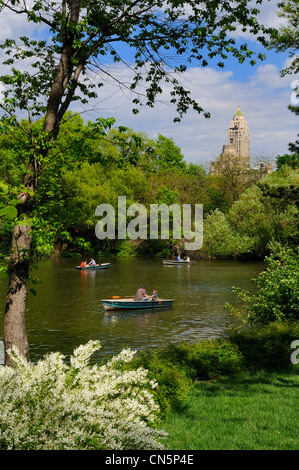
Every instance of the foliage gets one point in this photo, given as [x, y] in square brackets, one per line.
[8, 213]
[221, 239]
[173, 383]
[294, 146]
[268, 346]
[168, 155]
[8, 202]
[287, 38]
[252, 217]
[52, 406]
[163, 39]
[291, 160]
[206, 359]
[122, 147]
[264, 212]
[231, 177]
[177, 367]
[268, 211]
[125, 249]
[277, 296]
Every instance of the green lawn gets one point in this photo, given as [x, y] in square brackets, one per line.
[252, 412]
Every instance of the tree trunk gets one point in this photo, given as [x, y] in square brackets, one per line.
[14, 317]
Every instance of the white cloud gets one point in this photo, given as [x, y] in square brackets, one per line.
[263, 98]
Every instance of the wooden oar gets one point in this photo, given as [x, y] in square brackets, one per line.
[121, 296]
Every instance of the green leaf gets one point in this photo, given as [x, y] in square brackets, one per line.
[10, 212]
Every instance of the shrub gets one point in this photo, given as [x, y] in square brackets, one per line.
[207, 359]
[173, 384]
[267, 346]
[278, 286]
[221, 239]
[52, 406]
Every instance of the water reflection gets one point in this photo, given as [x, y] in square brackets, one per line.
[121, 315]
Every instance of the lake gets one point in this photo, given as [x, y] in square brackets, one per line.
[67, 309]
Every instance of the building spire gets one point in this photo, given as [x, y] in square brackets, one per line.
[239, 112]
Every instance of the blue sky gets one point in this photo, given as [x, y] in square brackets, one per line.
[260, 92]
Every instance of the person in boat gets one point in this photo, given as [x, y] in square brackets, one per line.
[179, 258]
[155, 295]
[92, 262]
[83, 264]
[141, 294]
[187, 259]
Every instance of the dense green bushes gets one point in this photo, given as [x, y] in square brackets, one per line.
[206, 359]
[176, 367]
[266, 212]
[277, 295]
[266, 347]
[241, 217]
[115, 405]
[174, 383]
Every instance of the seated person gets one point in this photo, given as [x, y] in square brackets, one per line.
[92, 262]
[155, 295]
[83, 264]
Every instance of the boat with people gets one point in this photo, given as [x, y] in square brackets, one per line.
[122, 303]
[93, 266]
[176, 262]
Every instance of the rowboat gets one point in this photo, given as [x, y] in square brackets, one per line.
[95, 266]
[124, 303]
[176, 262]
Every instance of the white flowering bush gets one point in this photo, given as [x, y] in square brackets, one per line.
[54, 406]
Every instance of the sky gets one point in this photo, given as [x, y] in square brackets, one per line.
[262, 94]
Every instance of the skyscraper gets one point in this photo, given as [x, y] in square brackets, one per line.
[235, 154]
[238, 138]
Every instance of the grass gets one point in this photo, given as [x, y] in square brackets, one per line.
[255, 411]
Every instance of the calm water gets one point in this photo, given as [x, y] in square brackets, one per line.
[67, 309]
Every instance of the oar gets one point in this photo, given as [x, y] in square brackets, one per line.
[121, 296]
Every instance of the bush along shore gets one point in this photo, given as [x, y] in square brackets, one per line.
[126, 402]
[178, 367]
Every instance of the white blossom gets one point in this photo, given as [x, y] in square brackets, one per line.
[52, 406]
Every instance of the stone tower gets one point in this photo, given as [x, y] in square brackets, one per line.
[238, 138]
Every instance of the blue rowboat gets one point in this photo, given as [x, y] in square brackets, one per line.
[95, 266]
[122, 304]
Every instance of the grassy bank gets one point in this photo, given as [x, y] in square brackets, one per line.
[254, 411]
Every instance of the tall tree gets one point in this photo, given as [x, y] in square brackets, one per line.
[294, 146]
[287, 39]
[165, 38]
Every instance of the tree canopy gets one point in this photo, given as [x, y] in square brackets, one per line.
[83, 36]
[287, 38]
